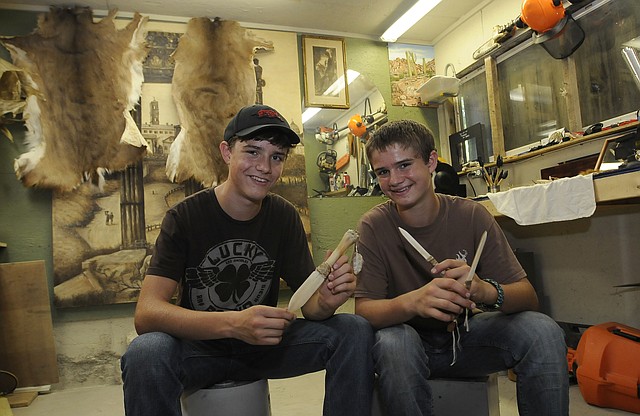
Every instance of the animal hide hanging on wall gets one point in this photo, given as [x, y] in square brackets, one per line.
[213, 78]
[88, 77]
[12, 96]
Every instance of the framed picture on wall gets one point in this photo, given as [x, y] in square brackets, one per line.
[325, 72]
[410, 66]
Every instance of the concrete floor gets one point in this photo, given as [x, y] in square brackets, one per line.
[299, 396]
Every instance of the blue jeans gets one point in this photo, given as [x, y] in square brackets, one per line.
[157, 367]
[529, 342]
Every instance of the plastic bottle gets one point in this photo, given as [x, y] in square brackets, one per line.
[347, 179]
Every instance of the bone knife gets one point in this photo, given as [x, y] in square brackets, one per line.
[475, 261]
[414, 243]
[315, 279]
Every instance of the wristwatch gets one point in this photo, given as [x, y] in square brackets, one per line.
[500, 299]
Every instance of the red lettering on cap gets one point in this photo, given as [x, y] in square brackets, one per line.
[270, 114]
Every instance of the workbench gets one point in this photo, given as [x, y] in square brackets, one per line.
[582, 263]
[611, 187]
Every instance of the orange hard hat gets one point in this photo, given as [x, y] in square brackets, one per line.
[356, 126]
[541, 15]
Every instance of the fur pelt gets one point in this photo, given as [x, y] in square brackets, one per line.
[213, 78]
[88, 76]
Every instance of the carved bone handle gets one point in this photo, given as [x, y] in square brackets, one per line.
[348, 239]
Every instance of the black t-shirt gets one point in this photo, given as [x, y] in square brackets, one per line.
[225, 264]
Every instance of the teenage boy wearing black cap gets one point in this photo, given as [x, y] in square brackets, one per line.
[227, 248]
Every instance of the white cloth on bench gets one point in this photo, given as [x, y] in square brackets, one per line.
[559, 200]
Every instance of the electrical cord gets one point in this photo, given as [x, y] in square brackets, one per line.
[471, 183]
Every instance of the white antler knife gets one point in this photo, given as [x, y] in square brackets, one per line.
[315, 279]
[414, 243]
[475, 261]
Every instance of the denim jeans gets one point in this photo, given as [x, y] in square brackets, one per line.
[157, 367]
[529, 342]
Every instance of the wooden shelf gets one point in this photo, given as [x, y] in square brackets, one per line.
[573, 142]
[579, 140]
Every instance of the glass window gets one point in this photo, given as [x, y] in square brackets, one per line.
[474, 106]
[605, 82]
[532, 87]
[531, 95]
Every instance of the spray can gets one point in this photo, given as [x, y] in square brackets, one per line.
[347, 179]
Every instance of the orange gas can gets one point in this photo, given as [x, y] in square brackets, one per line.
[608, 366]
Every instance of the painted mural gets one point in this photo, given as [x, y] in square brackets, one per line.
[103, 237]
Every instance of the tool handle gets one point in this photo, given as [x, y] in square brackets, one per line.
[348, 239]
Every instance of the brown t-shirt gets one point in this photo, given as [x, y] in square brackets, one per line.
[393, 267]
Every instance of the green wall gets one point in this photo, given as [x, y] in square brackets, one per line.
[371, 59]
[25, 214]
[331, 217]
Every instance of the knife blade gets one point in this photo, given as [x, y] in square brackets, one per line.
[414, 243]
[475, 261]
[315, 279]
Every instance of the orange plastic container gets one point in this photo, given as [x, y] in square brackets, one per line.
[608, 366]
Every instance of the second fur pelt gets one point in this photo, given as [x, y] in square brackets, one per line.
[213, 78]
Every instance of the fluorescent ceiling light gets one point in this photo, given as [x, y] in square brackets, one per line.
[410, 18]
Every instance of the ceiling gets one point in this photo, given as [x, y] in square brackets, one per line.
[347, 18]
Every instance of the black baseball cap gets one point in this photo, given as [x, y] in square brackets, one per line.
[256, 118]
